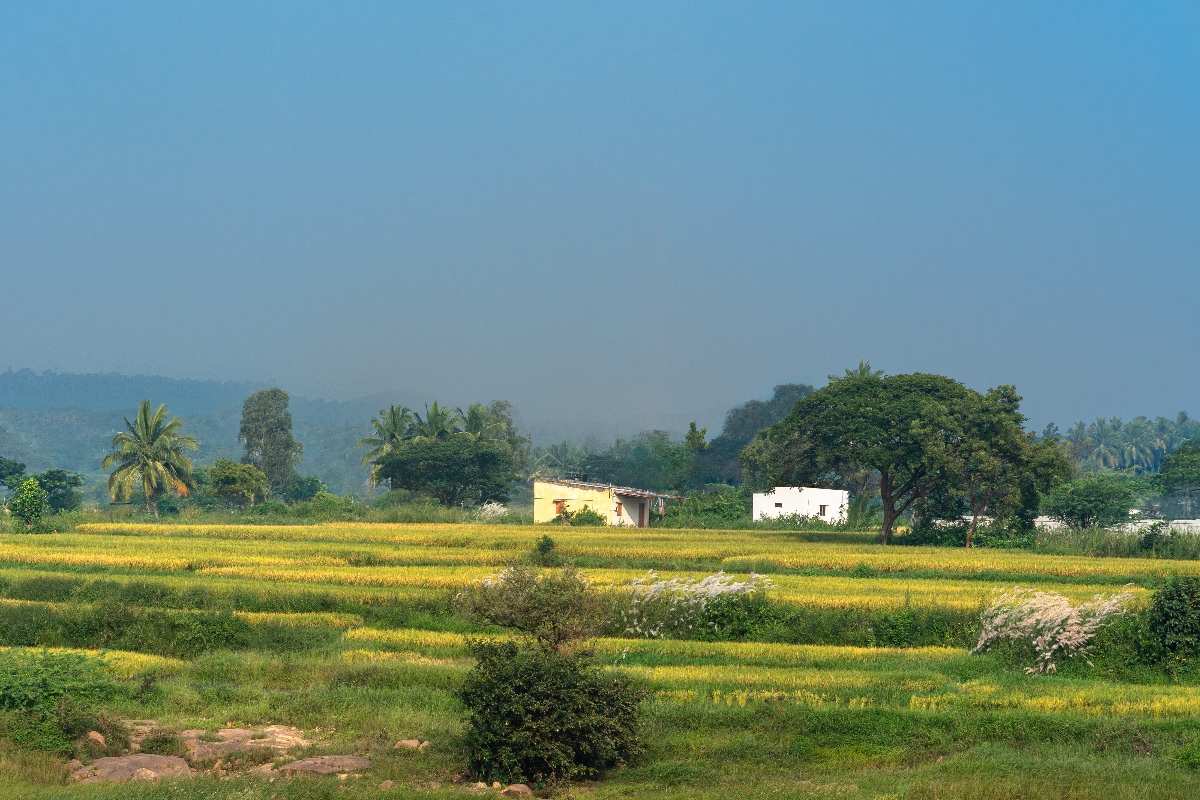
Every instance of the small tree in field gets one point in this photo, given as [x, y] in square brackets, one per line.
[541, 710]
[30, 503]
[240, 484]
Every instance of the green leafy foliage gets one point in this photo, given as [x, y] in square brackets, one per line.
[536, 715]
[1096, 500]
[52, 695]
[911, 429]
[238, 484]
[714, 507]
[62, 489]
[585, 517]
[11, 473]
[457, 470]
[266, 432]
[1173, 621]
[30, 503]
[555, 609]
[545, 553]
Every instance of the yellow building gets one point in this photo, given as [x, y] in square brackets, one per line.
[619, 505]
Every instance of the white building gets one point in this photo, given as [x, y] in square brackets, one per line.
[783, 501]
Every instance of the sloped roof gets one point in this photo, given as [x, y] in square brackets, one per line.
[625, 490]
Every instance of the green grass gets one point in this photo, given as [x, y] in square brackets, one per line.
[346, 629]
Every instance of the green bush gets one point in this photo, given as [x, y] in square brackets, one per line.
[715, 507]
[536, 715]
[30, 502]
[583, 518]
[554, 609]
[1174, 623]
[49, 698]
[545, 554]
[37, 681]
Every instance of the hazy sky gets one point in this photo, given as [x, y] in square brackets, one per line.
[608, 213]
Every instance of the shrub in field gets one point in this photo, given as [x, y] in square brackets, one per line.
[555, 609]
[541, 710]
[1174, 623]
[537, 715]
[545, 553]
[717, 606]
[30, 503]
[583, 518]
[49, 696]
[1048, 623]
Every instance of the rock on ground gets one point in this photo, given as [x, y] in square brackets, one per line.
[517, 790]
[326, 765]
[139, 766]
[276, 738]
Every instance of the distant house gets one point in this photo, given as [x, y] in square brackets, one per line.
[619, 505]
[784, 501]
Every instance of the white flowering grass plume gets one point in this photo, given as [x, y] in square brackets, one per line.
[1048, 622]
[491, 510]
[660, 607]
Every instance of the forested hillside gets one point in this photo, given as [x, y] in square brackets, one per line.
[52, 420]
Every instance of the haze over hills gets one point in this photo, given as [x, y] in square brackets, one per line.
[66, 420]
[50, 419]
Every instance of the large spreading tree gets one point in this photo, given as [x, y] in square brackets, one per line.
[151, 455]
[910, 429]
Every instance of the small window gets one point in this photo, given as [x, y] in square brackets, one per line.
[560, 507]
[779, 505]
[821, 513]
[618, 509]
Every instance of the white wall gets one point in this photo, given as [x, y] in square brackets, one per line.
[785, 501]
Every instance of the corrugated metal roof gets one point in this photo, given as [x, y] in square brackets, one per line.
[625, 490]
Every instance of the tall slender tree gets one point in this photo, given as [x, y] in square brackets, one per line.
[150, 454]
[266, 432]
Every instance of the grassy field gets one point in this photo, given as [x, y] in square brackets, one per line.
[869, 692]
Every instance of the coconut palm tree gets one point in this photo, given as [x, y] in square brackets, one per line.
[479, 423]
[392, 427]
[439, 422]
[150, 453]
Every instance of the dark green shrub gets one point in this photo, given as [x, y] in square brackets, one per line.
[537, 715]
[36, 681]
[1174, 623]
[49, 698]
[545, 554]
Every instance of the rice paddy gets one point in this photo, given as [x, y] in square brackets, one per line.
[346, 628]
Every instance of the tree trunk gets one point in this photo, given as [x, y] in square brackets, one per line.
[971, 529]
[889, 508]
[889, 520]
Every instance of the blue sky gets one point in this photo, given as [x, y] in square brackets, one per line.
[615, 215]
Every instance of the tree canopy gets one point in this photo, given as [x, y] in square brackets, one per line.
[266, 432]
[913, 430]
[240, 484]
[458, 471]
